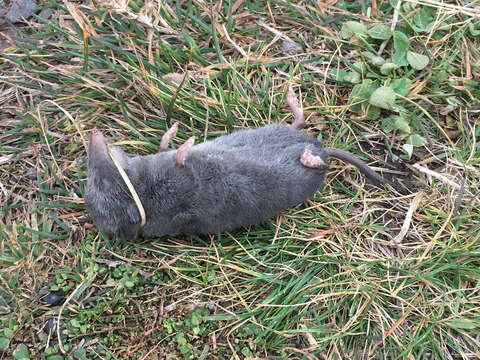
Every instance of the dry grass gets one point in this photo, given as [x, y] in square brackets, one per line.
[355, 272]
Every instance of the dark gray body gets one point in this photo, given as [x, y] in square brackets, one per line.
[235, 180]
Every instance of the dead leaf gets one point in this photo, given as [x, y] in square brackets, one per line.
[46, 13]
[236, 5]
[174, 78]
[291, 47]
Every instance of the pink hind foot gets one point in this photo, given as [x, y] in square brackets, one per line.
[312, 161]
[169, 134]
[183, 151]
[292, 102]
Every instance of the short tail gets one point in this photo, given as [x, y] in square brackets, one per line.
[362, 166]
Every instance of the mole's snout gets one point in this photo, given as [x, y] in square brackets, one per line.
[96, 135]
[97, 140]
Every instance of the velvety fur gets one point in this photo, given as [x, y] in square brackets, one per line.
[235, 180]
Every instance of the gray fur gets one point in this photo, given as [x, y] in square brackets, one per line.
[235, 180]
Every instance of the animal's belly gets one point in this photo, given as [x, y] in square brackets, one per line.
[237, 202]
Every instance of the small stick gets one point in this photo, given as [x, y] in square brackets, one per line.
[436, 175]
[131, 188]
[59, 317]
[238, 48]
[408, 218]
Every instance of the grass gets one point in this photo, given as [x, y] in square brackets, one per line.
[330, 278]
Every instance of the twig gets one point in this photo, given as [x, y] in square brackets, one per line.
[276, 32]
[394, 24]
[408, 218]
[449, 7]
[60, 315]
[131, 188]
[238, 48]
[436, 175]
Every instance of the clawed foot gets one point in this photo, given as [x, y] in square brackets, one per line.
[312, 161]
[292, 102]
[183, 151]
[169, 134]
